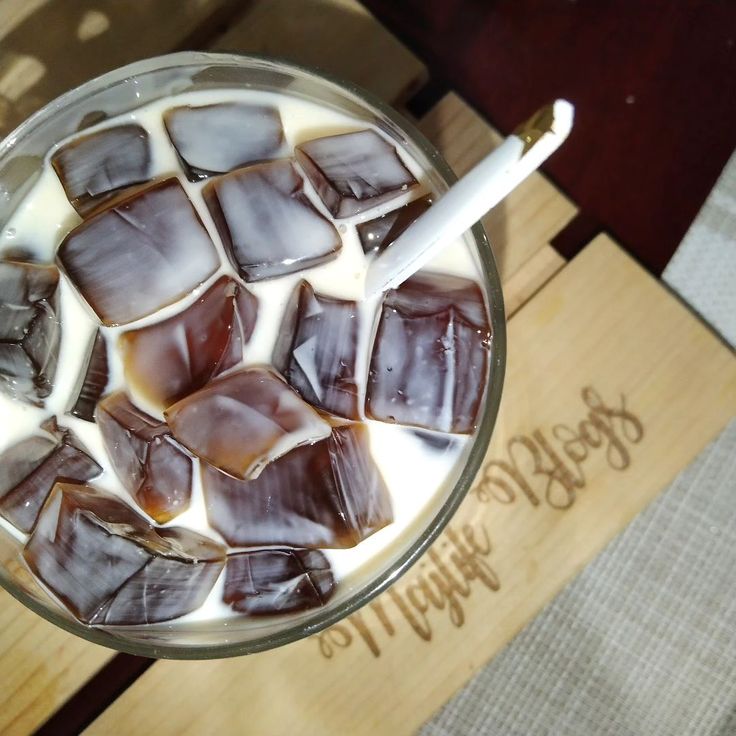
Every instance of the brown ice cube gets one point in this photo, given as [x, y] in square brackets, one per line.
[267, 225]
[377, 234]
[151, 465]
[214, 139]
[94, 167]
[30, 330]
[109, 566]
[242, 421]
[93, 379]
[279, 580]
[430, 358]
[169, 360]
[316, 350]
[139, 255]
[30, 468]
[329, 494]
[353, 172]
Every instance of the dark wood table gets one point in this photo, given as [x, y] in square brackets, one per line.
[653, 83]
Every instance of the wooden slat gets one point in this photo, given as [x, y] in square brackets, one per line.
[527, 281]
[529, 217]
[41, 667]
[14, 12]
[339, 36]
[605, 371]
[62, 44]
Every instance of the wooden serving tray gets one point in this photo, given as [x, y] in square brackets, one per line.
[612, 388]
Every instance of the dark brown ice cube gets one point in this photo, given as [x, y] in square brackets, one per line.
[281, 580]
[93, 379]
[329, 494]
[95, 167]
[30, 330]
[267, 225]
[242, 421]
[139, 255]
[353, 172]
[151, 465]
[377, 234]
[316, 350]
[430, 358]
[31, 468]
[109, 566]
[214, 139]
[169, 360]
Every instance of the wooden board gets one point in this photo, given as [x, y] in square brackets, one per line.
[41, 665]
[612, 388]
[529, 217]
[47, 48]
[339, 36]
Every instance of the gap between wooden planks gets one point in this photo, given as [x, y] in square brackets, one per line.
[42, 665]
[612, 388]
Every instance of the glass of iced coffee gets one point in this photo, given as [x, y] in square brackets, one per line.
[211, 442]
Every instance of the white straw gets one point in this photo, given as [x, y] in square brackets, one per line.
[471, 197]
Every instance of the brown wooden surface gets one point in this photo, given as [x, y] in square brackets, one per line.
[40, 667]
[47, 48]
[653, 83]
[338, 36]
[611, 395]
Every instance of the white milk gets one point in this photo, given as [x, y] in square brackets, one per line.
[417, 475]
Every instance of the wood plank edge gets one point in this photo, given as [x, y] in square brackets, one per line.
[531, 277]
[94, 697]
[222, 17]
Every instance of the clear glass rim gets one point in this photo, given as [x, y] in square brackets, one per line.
[489, 412]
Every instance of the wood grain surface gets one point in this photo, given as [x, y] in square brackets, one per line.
[652, 83]
[338, 36]
[612, 388]
[40, 666]
[47, 48]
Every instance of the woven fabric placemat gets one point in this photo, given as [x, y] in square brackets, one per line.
[703, 269]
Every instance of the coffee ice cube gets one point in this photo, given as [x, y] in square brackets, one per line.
[316, 350]
[430, 358]
[109, 566]
[214, 139]
[244, 420]
[30, 331]
[140, 254]
[30, 469]
[267, 225]
[328, 494]
[93, 168]
[168, 360]
[279, 580]
[92, 380]
[377, 234]
[353, 172]
[151, 465]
